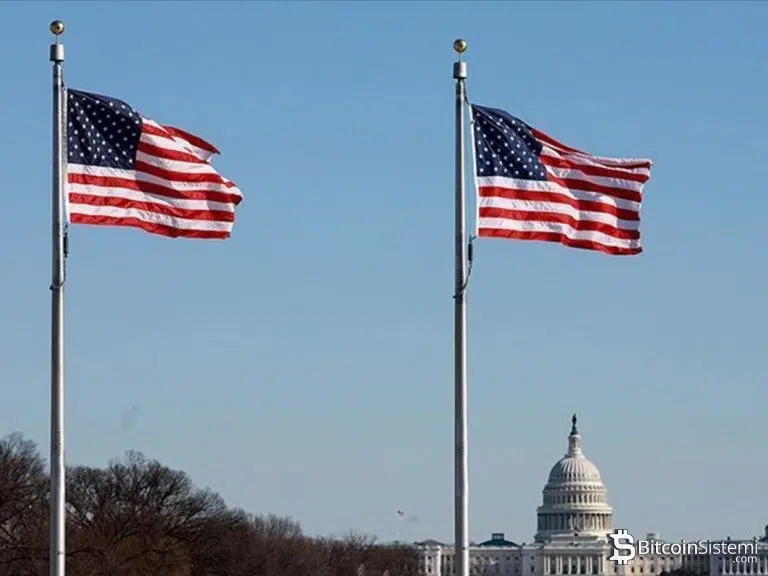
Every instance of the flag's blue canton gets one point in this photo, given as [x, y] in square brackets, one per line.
[101, 131]
[505, 146]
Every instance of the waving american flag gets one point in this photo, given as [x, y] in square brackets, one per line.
[532, 187]
[124, 169]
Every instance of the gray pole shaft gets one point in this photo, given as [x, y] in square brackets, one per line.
[460, 338]
[57, 552]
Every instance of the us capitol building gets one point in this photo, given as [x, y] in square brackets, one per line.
[574, 521]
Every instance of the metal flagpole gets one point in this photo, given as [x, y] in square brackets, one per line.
[57, 558]
[460, 334]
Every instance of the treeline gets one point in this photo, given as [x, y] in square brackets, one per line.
[137, 517]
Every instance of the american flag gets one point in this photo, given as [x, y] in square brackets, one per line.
[124, 169]
[532, 187]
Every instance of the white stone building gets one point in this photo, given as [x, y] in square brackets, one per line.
[571, 539]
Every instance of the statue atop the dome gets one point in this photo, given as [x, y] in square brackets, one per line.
[574, 431]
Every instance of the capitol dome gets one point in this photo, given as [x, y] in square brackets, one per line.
[574, 500]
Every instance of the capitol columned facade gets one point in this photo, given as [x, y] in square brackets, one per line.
[573, 523]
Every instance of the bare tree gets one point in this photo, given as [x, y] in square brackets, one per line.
[23, 506]
[136, 517]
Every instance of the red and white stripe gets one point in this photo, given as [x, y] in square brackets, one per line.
[586, 202]
[172, 191]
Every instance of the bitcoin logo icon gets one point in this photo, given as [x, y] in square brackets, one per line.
[623, 549]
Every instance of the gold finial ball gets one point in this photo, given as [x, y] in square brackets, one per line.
[460, 46]
[57, 27]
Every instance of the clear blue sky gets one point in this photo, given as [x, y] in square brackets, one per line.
[304, 367]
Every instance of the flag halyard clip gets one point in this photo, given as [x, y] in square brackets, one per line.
[470, 259]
